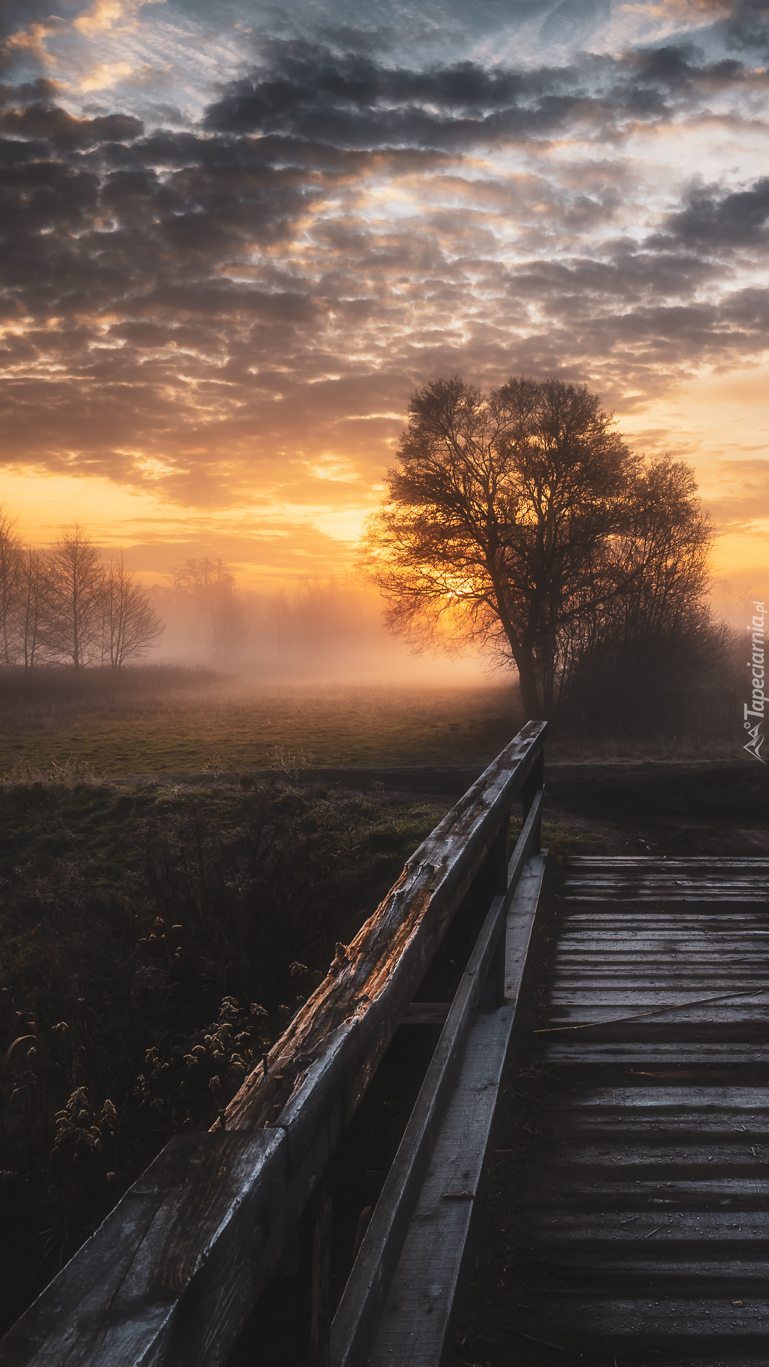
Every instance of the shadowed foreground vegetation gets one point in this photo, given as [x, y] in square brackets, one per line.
[154, 942]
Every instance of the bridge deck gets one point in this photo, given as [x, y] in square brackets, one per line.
[645, 1235]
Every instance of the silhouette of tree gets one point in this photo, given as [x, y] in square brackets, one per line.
[209, 585]
[520, 520]
[34, 608]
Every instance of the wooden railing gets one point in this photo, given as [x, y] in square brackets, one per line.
[174, 1271]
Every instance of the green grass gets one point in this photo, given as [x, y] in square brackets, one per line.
[558, 840]
[166, 731]
[167, 721]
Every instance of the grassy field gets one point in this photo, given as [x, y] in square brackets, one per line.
[166, 721]
[158, 722]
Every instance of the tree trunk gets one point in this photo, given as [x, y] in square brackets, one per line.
[528, 682]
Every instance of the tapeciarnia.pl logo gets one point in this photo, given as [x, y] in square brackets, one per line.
[758, 698]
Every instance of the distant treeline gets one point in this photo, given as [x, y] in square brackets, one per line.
[209, 616]
[67, 604]
[654, 658]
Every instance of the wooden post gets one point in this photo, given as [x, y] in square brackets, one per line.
[492, 882]
[320, 1277]
[532, 784]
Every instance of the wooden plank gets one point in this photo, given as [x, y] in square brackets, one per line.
[415, 1317]
[612, 1124]
[369, 1280]
[328, 1092]
[646, 861]
[614, 954]
[748, 1228]
[709, 1154]
[688, 982]
[520, 921]
[681, 1323]
[693, 1099]
[413, 1325]
[609, 1189]
[660, 1052]
[636, 1003]
[682, 898]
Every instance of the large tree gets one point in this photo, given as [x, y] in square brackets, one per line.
[517, 519]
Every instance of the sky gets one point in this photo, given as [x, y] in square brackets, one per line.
[237, 237]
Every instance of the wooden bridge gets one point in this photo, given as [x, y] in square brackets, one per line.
[643, 1237]
[649, 1236]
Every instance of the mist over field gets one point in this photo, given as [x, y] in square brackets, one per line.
[331, 631]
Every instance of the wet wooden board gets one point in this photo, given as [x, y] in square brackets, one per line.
[646, 1239]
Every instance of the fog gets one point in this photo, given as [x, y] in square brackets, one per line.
[733, 598]
[320, 631]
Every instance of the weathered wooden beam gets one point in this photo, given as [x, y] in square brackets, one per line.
[371, 1275]
[372, 979]
[412, 1328]
[172, 1272]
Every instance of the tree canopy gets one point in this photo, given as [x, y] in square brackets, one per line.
[521, 519]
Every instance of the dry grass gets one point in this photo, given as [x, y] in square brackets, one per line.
[688, 746]
[154, 941]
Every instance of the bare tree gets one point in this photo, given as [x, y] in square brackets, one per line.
[520, 519]
[34, 608]
[76, 594]
[130, 623]
[10, 577]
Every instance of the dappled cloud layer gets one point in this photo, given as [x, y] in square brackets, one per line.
[235, 240]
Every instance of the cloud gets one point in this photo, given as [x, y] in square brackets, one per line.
[744, 502]
[206, 311]
[716, 221]
[48, 123]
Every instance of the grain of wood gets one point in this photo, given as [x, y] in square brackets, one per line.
[647, 1237]
[372, 979]
[378, 1255]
